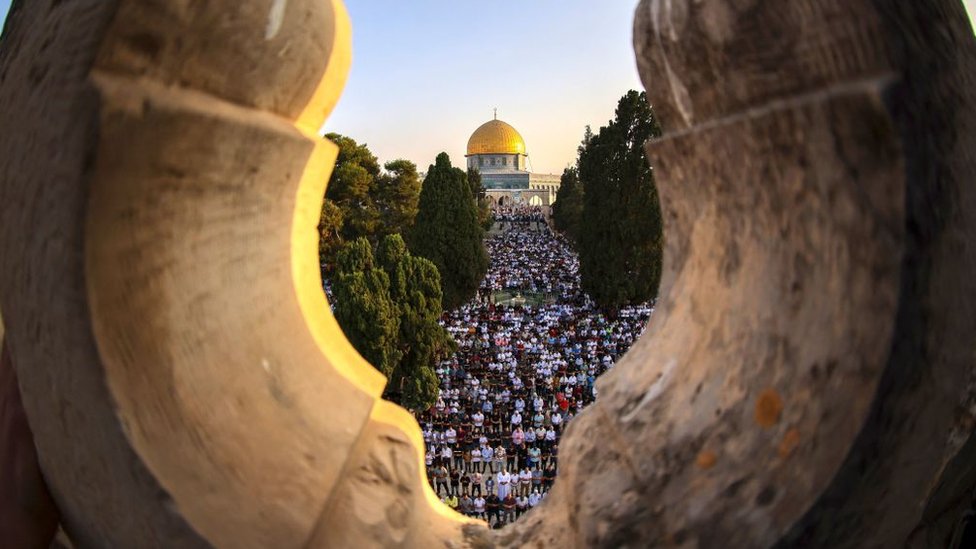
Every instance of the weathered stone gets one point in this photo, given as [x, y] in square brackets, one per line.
[265, 54]
[163, 216]
[814, 176]
[808, 377]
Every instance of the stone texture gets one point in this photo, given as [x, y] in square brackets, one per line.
[48, 50]
[156, 205]
[236, 51]
[707, 59]
[807, 379]
[383, 499]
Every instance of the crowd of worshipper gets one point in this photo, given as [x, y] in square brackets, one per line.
[521, 373]
[508, 217]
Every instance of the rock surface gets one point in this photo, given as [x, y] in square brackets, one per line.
[808, 377]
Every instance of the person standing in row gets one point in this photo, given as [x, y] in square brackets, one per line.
[440, 478]
[525, 482]
[494, 507]
[479, 507]
[476, 478]
[508, 508]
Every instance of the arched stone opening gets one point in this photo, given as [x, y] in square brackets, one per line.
[810, 359]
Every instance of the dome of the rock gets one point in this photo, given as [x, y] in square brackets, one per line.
[496, 137]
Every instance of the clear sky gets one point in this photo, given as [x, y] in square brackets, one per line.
[426, 73]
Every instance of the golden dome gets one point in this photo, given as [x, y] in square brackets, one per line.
[496, 137]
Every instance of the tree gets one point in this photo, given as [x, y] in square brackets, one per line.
[485, 218]
[620, 239]
[567, 211]
[330, 229]
[351, 187]
[363, 201]
[363, 306]
[447, 232]
[415, 287]
[388, 304]
[397, 196]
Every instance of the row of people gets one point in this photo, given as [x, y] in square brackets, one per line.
[519, 376]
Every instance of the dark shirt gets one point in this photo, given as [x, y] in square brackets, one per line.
[492, 502]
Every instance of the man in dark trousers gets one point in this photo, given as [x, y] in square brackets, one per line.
[493, 504]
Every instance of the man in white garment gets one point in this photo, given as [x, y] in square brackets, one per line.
[504, 479]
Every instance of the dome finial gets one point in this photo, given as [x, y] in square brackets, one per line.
[496, 113]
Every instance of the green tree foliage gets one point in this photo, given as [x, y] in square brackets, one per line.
[362, 200]
[364, 308]
[415, 287]
[330, 229]
[620, 239]
[448, 233]
[567, 211]
[388, 305]
[351, 187]
[397, 196]
[485, 217]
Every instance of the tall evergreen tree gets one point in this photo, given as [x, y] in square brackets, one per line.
[415, 287]
[620, 239]
[447, 232]
[388, 305]
[480, 197]
[363, 306]
[567, 211]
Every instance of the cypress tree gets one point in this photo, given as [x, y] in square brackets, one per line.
[620, 240]
[567, 211]
[388, 305]
[363, 307]
[447, 232]
[485, 217]
[415, 287]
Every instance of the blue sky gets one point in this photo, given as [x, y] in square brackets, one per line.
[426, 73]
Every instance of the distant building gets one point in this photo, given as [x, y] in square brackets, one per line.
[497, 150]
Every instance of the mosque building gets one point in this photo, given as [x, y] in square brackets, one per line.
[497, 150]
